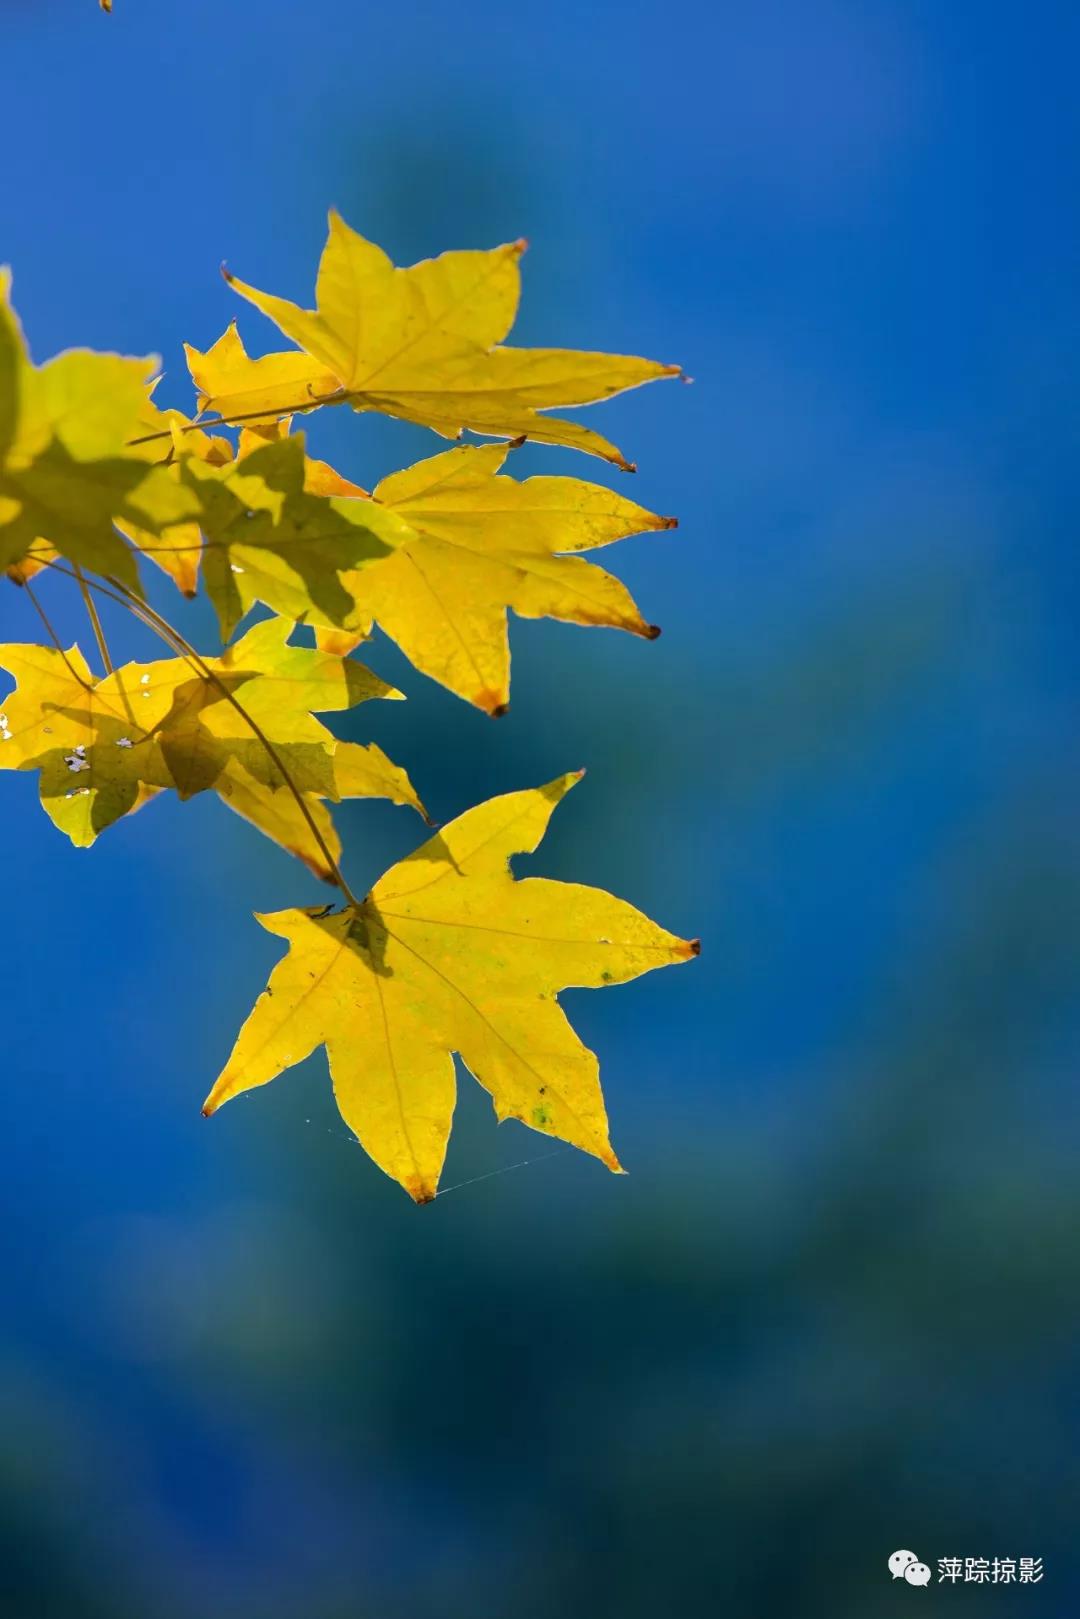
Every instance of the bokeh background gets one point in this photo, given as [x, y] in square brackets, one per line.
[833, 1309]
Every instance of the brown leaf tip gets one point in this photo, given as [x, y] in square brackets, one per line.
[520, 246]
[669, 522]
[227, 273]
[692, 947]
[652, 631]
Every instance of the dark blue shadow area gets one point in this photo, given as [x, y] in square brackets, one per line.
[833, 1309]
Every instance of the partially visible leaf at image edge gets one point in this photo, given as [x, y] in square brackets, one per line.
[66, 471]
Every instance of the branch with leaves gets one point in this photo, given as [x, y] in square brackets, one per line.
[447, 952]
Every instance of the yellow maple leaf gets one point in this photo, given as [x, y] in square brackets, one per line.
[484, 543]
[104, 747]
[449, 953]
[234, 386]
[66, 471]
[424, 344]
[267, 537]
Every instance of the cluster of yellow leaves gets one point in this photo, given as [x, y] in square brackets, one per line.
[448, 953]
[104, 747]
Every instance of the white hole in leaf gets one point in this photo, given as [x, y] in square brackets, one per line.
[124, 742]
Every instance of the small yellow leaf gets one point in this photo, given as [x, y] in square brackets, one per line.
[177, 550]
[242, 389]
[447, 954]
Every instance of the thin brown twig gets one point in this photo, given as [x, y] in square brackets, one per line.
[339, 397]
[54, 638]
[95, 621]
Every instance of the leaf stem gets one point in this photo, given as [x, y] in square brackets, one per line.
[339, 397]
[53, 637]
[95, 621]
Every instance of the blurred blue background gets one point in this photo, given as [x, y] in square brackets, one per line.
[833, 1310]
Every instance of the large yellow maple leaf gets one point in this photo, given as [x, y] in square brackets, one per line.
[66, 470]
[105, 746]
[449, 953]
[482, 544]
[424, 344]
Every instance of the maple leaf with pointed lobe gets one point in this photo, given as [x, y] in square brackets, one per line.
[424, 344]
[449, 953]
[482, 544]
